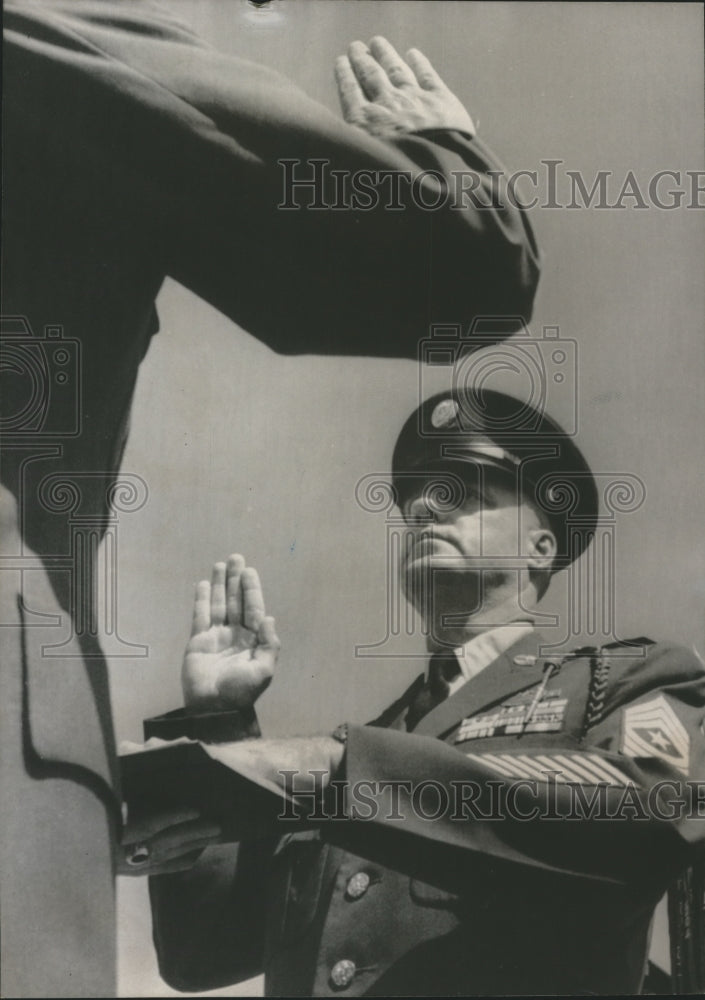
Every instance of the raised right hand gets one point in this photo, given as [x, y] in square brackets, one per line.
[230, 657]
[386, 95]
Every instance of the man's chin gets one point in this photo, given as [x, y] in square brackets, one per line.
[423, 577]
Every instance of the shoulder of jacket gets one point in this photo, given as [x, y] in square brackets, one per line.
[636, 665]
[613, 663]
[639, 647]
[659, 654]
[625, 658]
[628, 655]
[621, 671]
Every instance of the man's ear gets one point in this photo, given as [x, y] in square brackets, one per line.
[542, 548]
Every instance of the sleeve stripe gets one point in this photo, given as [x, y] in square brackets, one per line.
[546, 765]
[600, 762]
[582, 768]
[569, 766]
[523, 768]
[487, 760]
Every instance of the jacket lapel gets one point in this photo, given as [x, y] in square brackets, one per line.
[499, 680]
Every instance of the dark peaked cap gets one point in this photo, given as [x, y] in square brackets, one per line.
[489, 428]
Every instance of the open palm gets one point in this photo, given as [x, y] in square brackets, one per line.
[230, 657]
[386, 95]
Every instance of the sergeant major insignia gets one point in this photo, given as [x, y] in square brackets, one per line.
[652, 729]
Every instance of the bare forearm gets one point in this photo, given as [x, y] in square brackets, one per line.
[314, 761]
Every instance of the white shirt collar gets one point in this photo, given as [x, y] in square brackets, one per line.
[484, 648]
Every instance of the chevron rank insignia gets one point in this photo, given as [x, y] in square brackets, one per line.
[652, 729]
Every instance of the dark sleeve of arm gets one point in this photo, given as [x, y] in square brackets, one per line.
[208, 921]
[640, 833]
[209, 727]
[195, 139]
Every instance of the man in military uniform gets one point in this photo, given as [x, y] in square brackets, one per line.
[542, 799]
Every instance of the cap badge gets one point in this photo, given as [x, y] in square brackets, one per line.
[444, 413]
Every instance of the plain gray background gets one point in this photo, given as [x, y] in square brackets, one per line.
[246, 451]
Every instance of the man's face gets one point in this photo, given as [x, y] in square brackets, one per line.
[485, 530]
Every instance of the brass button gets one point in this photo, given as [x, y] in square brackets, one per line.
[343, 973]
[357, 885]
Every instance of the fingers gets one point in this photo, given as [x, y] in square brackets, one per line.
[370, 73]
[391, 62]
[234, 568]
[351, 97]
[201, 608]
[424, 72]
[372, 78]
[218, 607]
[252, 599]
[233, 595]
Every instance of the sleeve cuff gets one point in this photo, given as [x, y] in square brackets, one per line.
[208, 727]
[438, 132]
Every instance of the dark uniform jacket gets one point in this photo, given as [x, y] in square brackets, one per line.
[549, 889]
[133, 151]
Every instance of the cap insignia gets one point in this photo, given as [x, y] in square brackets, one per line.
[444, 413]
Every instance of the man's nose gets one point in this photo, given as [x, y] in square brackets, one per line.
[418, 512]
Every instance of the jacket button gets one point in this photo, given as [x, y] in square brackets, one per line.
[357, 885]
[342, 973]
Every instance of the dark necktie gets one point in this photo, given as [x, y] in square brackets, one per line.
[442, 669]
